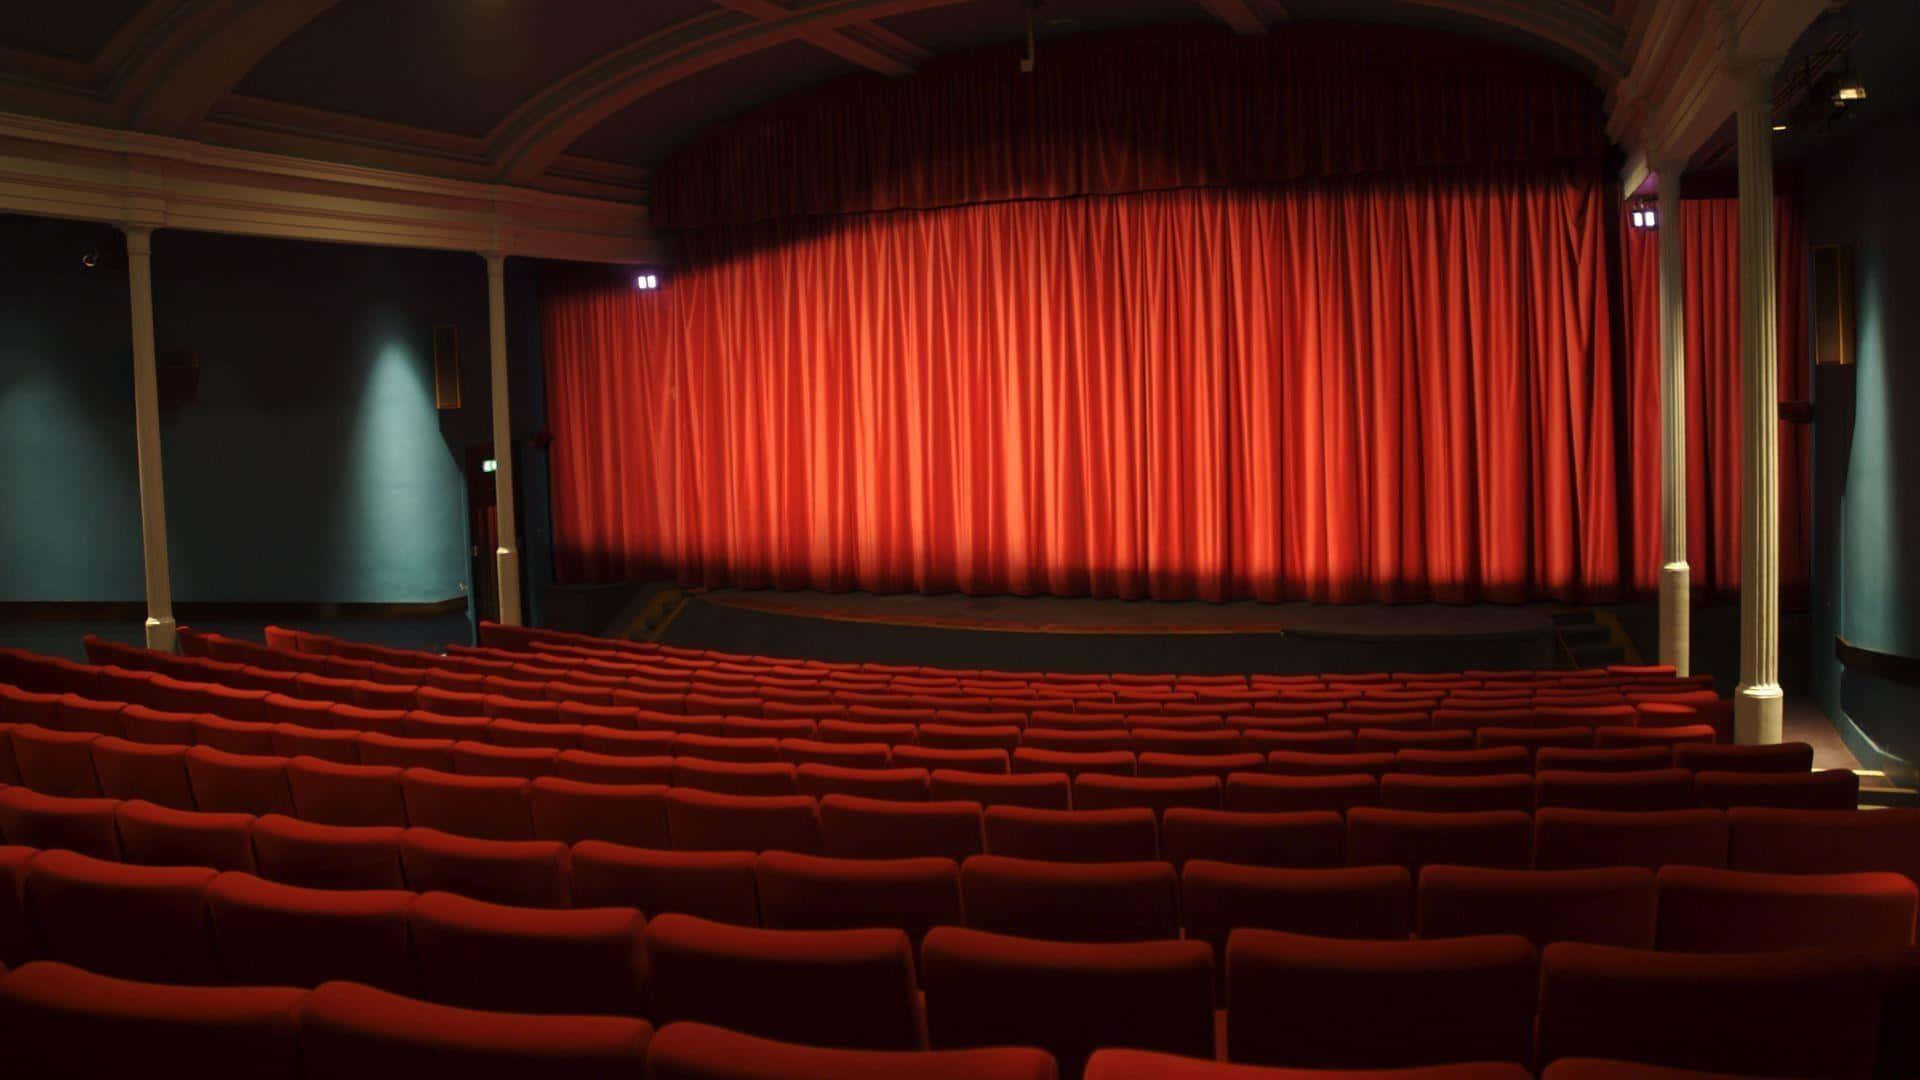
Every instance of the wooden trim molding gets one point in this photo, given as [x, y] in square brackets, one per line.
[1881, 665]
[51, 168]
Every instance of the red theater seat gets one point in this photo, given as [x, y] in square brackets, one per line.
[233, 736]
[1606, 737]
[806, 892]
[597, 768]
[1313, 763]
[1621, 759]
[1095, 791]
[49, 822]
[1798, 1014]
[1114, 901]
[858, 755]
[131, 922]
[714, 885]
[1309, 838]
[518, 762]
[853, 827]
[56, 762]
[356, 718]
[1498, 761]
[1067, 998]
[327, 744]
[75, 713]
[547, 735]
[1825, 841]
[1414, 791]
[1266, 738]
[1348, 902]
[1416, 838]
[1829, 789]
[736, 777]
[570, 811]
[377, 748]
[712, 821]
[690, 1051]
[618, 742]
[1152, 764]
[1652, 789]
[484, 956]
[354, 1032]
[238, 783]
[153, 835]
[1146, 1065]
[1379, 1004]
[899, 785]
[524, 873]
[270, 934]
[1731, 911]
[60, 1021]
[1605, 906]
[484, 807]
[1039, 791]
[131, 770]
[1598, 1069]
[334, 794]
[1269, 793]
[1029, 759]
[847, 988]
[1196, 743]
[860, 729]
[161, 728]
[1072, 835]
[722, 748]
[1793, 757]
[313, 856]
[14, 936]
[1078, 740]
[1567, 838]
[1373, 740]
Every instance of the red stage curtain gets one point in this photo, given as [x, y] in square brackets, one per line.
[1710, 236]
[1390, 390]
[1154, 109]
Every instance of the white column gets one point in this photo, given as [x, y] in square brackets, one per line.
[506, 557]
[146, 427]
[1675, 576]
[1757, 700]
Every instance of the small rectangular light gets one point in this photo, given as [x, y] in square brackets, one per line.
[489, 465]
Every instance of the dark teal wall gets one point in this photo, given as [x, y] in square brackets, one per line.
[312, 465]
[1861, 193]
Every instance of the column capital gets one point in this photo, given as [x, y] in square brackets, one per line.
[139, 239]
[496, 261]
[1752, 79]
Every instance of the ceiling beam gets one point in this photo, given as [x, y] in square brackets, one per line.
[193, 53]
[534, 135]
[875, 53]
[1236, 14]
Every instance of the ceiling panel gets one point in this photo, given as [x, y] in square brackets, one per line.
[958, 27]
[645, 132]
[457, 66]
[72, 31]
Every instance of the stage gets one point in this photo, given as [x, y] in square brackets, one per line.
[1080, 634]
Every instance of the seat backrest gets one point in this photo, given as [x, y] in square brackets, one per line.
[907, 784]
[1272, 793]
[269, 934]
[692, 1051]
[335, 794]
[1097, 791]
[1567, 838]
[1419, 791]
[1415, 838]
[238, 783]
[131, 770]
[1068, 998]
[131, 922]
[1072, 835]
[1825, 841]
[523, 873]
[1786, 757]
[848, 988]
[55, 762]
[1039, 791]
[295, 852]
[1071, 901]
[1604, 905]
[1828, 789]
[1729, 911]
[1648, 789]
[808, 892]
[153, 835]
[712, 821]
[1799, 1014]
[853, 827]
[57, 1020]
[354, 1032]
[714, 885]
[1306, 838]
[483, 807]
[571, 810]
[480, 955]
[1379, 1004]
[1349, 902]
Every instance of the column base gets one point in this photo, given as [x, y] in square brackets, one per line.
[1676, 617]
[1758, 714]
[162, 635]
[506, 564]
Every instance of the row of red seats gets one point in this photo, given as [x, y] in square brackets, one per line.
[201, 925]
[707, 828]
[60, 1021]
[1350, 1003]
[1116, 815]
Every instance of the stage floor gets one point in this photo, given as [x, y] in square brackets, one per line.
[1085, 615]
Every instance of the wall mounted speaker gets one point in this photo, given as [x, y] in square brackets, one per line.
[446, 367]
[1832, 304]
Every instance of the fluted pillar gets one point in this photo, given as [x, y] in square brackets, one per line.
[1757, 700]
[506, 556]
[1675, 576]
[146, 429]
